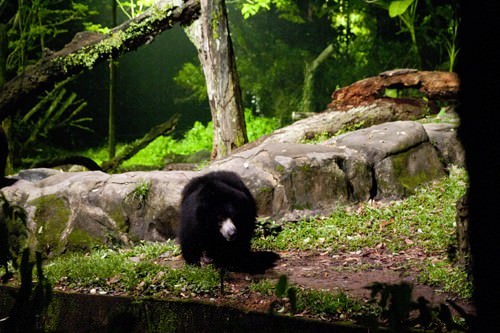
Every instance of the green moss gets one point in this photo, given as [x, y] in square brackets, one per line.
[79, 239]
[117, 216]
[350, 127]
[88, 56]
[306, 168]
[411, 180]
[266, 190]
[215, 22]
[51, 217]
[114, 43]
[316, 137]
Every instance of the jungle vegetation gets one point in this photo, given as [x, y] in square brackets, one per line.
[290, 56]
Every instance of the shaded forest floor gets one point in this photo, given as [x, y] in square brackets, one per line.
[348, 272]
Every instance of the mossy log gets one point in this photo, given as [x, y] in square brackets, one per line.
[89, 48]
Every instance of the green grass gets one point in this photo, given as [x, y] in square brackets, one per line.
[425, 220]
[134, 271]
[322, 303]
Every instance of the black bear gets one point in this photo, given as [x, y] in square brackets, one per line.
[218, 215]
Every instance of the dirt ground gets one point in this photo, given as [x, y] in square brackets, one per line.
[348, 272]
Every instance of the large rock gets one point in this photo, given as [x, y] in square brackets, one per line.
[399, 154]
[387, 161]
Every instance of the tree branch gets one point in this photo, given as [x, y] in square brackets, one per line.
[162, 129]
[89, 48]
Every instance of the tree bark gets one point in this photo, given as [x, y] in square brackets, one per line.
[87, 49]
[210, 35]
[113, 68]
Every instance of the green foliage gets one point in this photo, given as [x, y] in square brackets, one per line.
[448, 277]
[36, 24]
[291, 299]
[427, 217]
[258, 126]
[399, 8]
[198, 138]
[365, 39]
[13, 235]
[56, 111]
[289, 10]
[406, 11]
[325, 303]
[31, 299]
[139, 195]
[96, 27]
[192, 80]
[133, 8]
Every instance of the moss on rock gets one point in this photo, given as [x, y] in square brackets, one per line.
[51, 218]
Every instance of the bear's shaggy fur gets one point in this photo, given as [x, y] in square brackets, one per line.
[218, 215]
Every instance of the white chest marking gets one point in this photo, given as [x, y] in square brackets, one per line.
[228, 229]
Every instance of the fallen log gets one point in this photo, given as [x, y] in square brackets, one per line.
[434, 85]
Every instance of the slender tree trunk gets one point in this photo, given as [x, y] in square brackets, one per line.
[5, 161]
[3, 53]
[112, 94]
[309, 74]
[210, 35]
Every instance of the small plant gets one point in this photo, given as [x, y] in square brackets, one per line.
[13, 236]
[287, 296]
[449, 278]
[140, 194]
[266, 227]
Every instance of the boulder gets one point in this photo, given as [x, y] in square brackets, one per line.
[386, 161]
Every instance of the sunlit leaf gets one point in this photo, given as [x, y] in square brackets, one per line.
[397, 8]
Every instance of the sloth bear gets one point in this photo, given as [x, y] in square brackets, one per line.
[218, 215]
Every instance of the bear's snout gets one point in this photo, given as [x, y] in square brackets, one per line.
[228, 229]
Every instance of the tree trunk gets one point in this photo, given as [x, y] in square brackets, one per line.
[87, 49]
[309, 73]
[210, 35]
[6, 165]
[463, 242]
[113, 67]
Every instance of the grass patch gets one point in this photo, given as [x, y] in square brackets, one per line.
[425, 219]
[326, 303]
[447, 277]
[132, 271]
